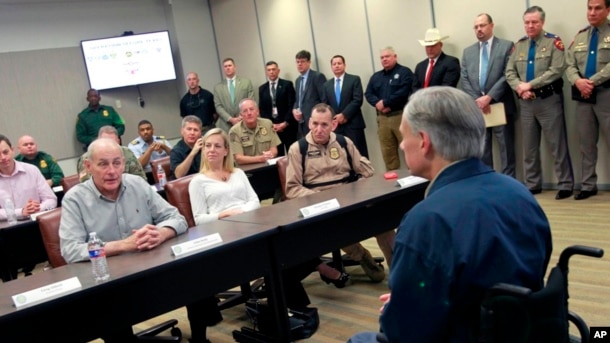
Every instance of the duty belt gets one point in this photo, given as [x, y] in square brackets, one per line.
[548, 90]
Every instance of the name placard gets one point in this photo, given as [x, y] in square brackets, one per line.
[196, 244]
[410, 181]
[273, 161]
[319, 208]
[47, 292]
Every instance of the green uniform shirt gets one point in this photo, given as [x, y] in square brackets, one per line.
[132, 166]
[549, 62]
[248, 142]
[578, 52]
[89, 122]
[46, 164]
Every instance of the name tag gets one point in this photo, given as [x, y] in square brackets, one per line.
[196, 244]
[58, 189]
[410, 181]
[319, 208]
[47, 292]
[273, 161]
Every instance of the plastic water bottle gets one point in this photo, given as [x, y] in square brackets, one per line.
[97, 255]
[161, 176]
[9, 208]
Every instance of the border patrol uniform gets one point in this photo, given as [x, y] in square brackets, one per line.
[545, 111]
[46, 164]
[253, 142]
[89, 122]
[590, 117]
[138, 146]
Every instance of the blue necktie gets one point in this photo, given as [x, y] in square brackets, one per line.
[338, 91]
[483, 71]
[531, 55]
[592, 57]
[232, 91]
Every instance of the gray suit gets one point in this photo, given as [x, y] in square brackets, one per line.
[497, 88]
[222, 100]
[312, 95]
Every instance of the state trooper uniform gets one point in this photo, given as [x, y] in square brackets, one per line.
[545, 110]
[253, 142]
[138, 146]
[590, 117]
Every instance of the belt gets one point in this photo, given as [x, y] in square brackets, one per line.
[548, 90]
[390, 114]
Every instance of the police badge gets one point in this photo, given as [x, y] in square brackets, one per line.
[334, 153]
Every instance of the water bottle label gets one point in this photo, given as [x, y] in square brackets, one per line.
[97, 253]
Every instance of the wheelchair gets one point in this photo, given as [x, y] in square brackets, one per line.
[515, 314]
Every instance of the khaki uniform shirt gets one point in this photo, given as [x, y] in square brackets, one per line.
[578, 52]
[323, 163]
[253, 142]
[549, 61]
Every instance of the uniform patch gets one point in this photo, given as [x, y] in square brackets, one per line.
[105, 112]
[559, 44]
[334, 153]
[314, 154]
[264, 131]
[43, 164]
[245, 139]
[234, 138]
[135, 141]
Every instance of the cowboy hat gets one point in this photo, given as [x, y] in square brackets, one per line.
[432, 37]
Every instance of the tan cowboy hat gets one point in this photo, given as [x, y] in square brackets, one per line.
[432, 37]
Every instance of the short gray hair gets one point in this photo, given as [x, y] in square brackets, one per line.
[191, 119]
[108, 129]
[451, 118]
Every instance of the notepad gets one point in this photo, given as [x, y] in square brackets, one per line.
[496, 117]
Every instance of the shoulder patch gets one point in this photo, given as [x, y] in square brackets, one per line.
[559, 44]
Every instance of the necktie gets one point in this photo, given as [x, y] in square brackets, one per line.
[300, 91]
[232, 91]
[531, 55]
[274, 112]
[592, 57]
[338, 91]
[484, 63]
[427, 81]
[273, 90]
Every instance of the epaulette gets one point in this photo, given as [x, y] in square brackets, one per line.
[523, 38]
[135, 141]
[160, 137]
[586, 28]
[558, 43]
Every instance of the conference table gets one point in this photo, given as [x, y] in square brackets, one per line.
[260, 243]
[141, 286]
[367, 207]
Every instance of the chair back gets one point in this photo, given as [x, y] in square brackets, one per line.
[164, 162]
[177, 193]
[48, 223]
[282, 164]
[69, 181]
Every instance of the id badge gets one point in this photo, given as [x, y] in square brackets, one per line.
[274, 112]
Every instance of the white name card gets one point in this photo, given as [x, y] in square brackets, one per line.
[410, 181]
[58, 189]
[196, 244]
[47, 292]
[320, 208]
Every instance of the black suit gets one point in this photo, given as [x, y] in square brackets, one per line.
[313, 95]
[284, 101]
[350, 105]
[446, 72]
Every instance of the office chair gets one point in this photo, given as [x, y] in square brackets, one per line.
[48, 223]
[68, 182]
[177, 193]
[337, 261]
[515, 314]
[163, 161]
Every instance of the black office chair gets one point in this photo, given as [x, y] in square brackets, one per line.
[49, 229]
[337, 261]
[515, 314]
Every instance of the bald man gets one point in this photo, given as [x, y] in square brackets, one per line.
[28, 153]
[198, 102]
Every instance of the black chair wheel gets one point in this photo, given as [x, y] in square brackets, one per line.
[176, 332]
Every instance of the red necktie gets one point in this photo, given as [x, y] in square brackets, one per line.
[428, 74]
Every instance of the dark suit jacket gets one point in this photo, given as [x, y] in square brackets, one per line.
[313, 95]
[446, 72]
[284, 101]
[495, 86]
[350, 102]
